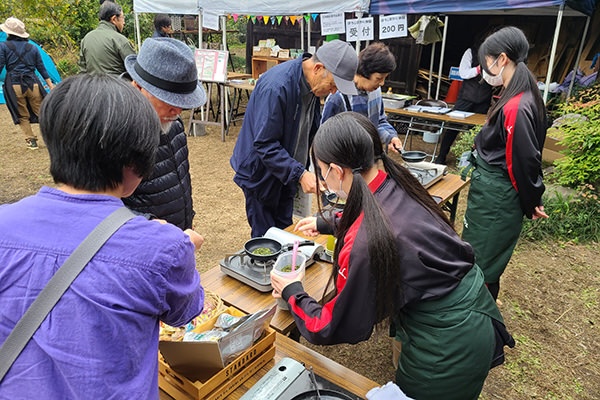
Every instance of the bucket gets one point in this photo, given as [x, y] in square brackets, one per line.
[431, 137]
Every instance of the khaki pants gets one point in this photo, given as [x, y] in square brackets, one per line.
[34, 97]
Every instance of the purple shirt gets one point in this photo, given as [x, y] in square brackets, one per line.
[101, 339]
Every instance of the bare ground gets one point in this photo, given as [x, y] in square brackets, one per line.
[550, 291]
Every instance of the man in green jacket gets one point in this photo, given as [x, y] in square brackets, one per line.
[104, 49]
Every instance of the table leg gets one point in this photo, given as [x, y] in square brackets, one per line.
[451, 206]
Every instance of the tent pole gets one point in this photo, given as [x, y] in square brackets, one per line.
[225, 92]
[553, 51]
[442, 50]
[302, 34]
[431, 70]
[200, 29]
[308, 29]
[587, 25]
[137, 30]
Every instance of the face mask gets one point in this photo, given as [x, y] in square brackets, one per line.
[341, 193]
[493, 80]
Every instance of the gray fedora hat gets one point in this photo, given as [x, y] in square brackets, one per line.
[166, 68]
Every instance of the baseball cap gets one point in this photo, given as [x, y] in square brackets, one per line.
[341, 60]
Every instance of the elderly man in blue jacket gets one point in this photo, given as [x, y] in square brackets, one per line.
[270, 157]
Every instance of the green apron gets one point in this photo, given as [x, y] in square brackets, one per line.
[448, 344]
[493, 219]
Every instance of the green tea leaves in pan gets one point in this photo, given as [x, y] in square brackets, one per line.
[262, 251]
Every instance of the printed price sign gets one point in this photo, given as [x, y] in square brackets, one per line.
[392, 26]
[359, 29]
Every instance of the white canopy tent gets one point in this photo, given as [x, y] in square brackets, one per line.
[246, 7]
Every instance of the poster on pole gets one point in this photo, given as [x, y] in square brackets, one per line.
[392, 26]
[359, 29]
[210, 21]
[332, 23]
[212, 65]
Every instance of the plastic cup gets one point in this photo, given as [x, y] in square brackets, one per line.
[330, 245]
[284, 261]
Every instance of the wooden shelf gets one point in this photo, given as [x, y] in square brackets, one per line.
[260, 64]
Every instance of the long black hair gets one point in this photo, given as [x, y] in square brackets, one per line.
[512, 42]
[350, 140]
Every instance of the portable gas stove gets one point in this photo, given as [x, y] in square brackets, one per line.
[427, 173]
[290, 380]
[255, 273]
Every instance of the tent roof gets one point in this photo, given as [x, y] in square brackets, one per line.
[528, 7]
[251, 7]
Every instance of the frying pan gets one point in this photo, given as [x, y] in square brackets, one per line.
[324, 394]
[411, 156]
[271, 244]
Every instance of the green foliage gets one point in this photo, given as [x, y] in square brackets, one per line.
[581, 164]
[464, 143]
[572, 218]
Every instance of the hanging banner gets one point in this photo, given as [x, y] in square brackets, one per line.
[210, 21]
[392, 26]
[332, 23]
[359, 29]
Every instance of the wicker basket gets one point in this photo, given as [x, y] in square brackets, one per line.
[213, 305]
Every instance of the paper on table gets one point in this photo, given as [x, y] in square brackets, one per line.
[460, 114]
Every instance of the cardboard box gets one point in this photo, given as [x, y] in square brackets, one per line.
[196, 370]
[261, 51]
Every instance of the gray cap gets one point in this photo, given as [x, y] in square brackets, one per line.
[341, 60]
[166, 68]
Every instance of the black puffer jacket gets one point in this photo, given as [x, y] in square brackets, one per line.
[167, 193]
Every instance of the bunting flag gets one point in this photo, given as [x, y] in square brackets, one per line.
[253, 18]
[235, 17]
[293, 19]
[307, 18]
[287, 19]
[259, 17]
[266, 19]
[314, 16]
[273, 20]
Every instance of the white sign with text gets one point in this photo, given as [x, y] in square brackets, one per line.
[359, 29]
[392, 26]
[332, 23]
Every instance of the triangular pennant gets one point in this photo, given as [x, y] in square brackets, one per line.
[259, 17]
[314, 16]
[273, 20]
[235, 17]
[307, 18]
[266, 19]
[253, 18]
[293, 19]
[279, 18]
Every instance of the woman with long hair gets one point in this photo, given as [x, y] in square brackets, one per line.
[507, 181]
[399, 262]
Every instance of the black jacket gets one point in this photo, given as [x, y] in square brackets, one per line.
[167, 193]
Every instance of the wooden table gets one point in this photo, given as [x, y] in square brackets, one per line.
[429, 122]
[323, 366]
[250, 300]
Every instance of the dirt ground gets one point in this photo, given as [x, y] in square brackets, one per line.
[550, 291]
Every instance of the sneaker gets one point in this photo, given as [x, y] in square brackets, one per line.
[32, 144]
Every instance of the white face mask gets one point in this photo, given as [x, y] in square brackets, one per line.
[341, 193]
[493, 80]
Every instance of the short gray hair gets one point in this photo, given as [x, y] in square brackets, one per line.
[108, 9]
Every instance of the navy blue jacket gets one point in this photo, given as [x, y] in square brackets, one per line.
[262, 157]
